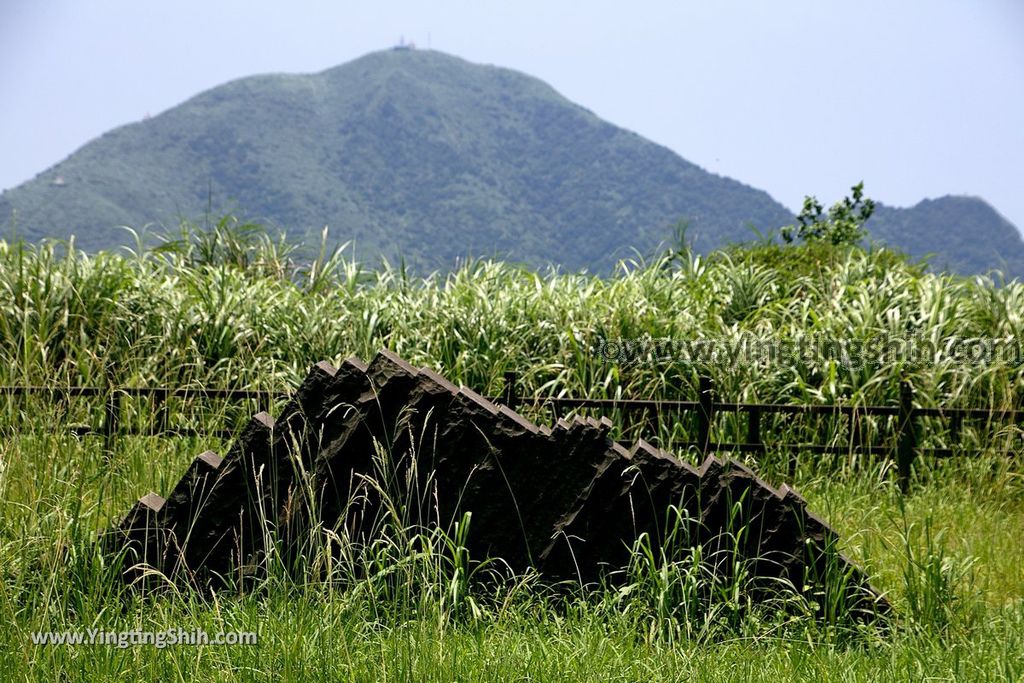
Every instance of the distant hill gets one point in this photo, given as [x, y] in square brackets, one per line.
[406, 151]
[961, 234]
[427, 156]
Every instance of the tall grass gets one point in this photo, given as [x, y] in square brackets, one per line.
[232, 307]
[236, 308]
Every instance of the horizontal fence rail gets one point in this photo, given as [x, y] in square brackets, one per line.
[907, 431]
[159, 392]
[906, 434]
[111, 425]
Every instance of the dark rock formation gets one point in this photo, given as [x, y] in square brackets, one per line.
[360, 446]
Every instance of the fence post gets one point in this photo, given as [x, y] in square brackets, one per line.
[754, 426]
[112, 418]
[163, 420]
[907, 435]
[956, 423]
[856, 431]
[509, 389]
[705, 414]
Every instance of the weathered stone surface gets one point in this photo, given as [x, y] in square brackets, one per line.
[566, 500]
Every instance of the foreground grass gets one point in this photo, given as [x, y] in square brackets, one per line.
[326, 639]
[949, 557]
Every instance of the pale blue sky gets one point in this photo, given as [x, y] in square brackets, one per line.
[918, 98]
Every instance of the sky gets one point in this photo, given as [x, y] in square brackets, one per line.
[917, 98]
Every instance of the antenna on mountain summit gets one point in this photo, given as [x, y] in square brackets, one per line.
[402, 45]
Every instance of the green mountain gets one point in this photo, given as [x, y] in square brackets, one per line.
[419, 154]
[959, 234]
[411, 152]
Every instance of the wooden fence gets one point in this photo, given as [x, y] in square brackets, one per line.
[111, 424]
[706, 407]
[907, 424]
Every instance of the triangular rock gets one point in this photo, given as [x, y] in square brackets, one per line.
[568, 500]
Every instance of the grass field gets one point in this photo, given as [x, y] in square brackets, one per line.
[949, 555]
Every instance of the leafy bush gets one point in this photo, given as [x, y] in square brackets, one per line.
[843, 225]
